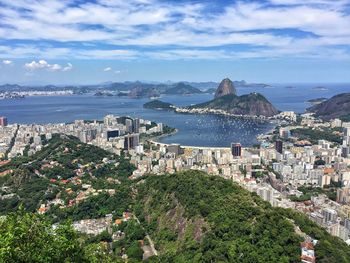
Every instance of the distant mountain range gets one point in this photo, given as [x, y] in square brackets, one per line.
[336, 107]
[136, 89]
[253, 104]
[183, 89]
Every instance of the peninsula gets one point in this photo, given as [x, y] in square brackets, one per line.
[226, 101]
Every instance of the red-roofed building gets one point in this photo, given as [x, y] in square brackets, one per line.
[307, 252]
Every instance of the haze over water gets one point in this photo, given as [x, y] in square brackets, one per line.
[197, 130]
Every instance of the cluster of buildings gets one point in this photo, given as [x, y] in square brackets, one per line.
[170, 158]
[324, 166]
[274, 171]
[7, 134]
[22, 94]
[223, 112]
[113, 133]
[94, 226]
[10, 95]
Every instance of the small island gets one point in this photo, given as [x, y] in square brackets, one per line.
[320, 88]
[158, 105]
[103, 94]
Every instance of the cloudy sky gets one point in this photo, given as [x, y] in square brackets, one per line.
[75, 41]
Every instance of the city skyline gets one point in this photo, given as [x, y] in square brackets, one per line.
[89, 42]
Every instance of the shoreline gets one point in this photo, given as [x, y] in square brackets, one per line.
[274, 121]
[224, 113]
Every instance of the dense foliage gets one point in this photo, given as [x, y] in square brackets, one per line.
[309, 191]
[329, 248]
[30, 182]
[26, 237]
[247, 104]
[95, 206]
[314, 135]
[194, 217]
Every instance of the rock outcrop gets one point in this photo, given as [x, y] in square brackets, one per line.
[225, 88]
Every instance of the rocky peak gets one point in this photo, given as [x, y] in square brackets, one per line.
[225, 88]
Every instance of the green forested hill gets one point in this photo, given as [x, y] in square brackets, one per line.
[30, 182]
[247, 104]
[336, 107]
[194, 217]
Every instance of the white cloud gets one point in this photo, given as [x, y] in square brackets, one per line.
[117, 71]
[322, 25]
[7, 62]
[54, 67]
[107, 69]
[36, 65]
[332, 3]
[256, 16]
[69, 67]
[106, 54]
[43, 64]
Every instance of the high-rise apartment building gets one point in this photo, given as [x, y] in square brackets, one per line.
[236, 149]
[279, 146]
[3, 121]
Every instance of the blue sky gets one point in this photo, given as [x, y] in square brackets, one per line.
[85, 42]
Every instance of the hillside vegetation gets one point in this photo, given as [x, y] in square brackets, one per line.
[26, 237]
[48, 174]
[248, 104]
[194, 217]
[336, 107]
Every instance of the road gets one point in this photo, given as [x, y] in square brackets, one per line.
[151, 243]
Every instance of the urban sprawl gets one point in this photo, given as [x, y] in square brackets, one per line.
[283, 170]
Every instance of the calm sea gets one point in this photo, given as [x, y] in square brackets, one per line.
[198, 130]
